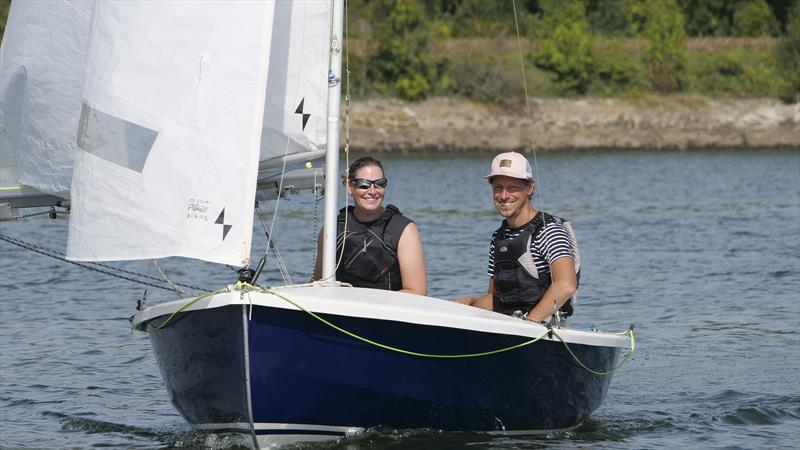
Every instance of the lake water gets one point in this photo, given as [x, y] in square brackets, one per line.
[701, 250]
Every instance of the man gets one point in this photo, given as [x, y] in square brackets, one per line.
[531, 260]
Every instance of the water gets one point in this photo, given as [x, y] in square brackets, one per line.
[700, 250]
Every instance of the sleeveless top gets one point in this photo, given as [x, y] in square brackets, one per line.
[370, 249]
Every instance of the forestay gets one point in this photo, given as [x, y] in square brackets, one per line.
[170, 131]
[41, 74]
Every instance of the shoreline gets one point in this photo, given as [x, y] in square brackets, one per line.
[666, 123]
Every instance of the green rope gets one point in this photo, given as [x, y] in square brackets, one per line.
[608, 372]
[188, 304]
[244, 287]
[400, 350]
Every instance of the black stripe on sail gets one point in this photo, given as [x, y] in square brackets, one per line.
[299, 110]
[221, 221]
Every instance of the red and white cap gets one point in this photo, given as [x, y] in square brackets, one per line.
[511, 164]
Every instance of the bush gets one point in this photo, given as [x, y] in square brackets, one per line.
[665, 52]
[616, 69]
[788, 58]
[754, 18]
[733, 73]
[401, 64]
[490, 72]
[568, 57]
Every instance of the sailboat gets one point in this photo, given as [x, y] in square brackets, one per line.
[187, 113]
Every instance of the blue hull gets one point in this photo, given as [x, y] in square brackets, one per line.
[302, 371]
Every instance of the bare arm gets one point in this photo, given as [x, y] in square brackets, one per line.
[564, 285]
[412, 261]
[485, 301]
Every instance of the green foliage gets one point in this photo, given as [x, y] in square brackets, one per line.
[608, 17]
[707, 17]
[665, 48]
[754, 18]
[488, 75]
[617, 70]
[479, 18]
[738, 73]
[401, 64]
[5, 5]
[555, 13]
[566, 53]
[788, 58]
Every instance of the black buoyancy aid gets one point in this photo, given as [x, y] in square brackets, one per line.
[518, 285]
[370, 249]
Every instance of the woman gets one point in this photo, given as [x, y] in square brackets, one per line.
[382, 248]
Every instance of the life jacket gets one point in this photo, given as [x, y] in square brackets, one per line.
[370, 249]
[518, 285]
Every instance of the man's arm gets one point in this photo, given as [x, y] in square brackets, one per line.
[485, 301]
[564, 285]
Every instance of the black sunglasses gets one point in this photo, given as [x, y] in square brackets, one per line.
[363, 183]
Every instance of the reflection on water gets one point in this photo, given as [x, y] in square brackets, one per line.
[700, 250]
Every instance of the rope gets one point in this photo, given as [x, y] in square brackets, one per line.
[111, 269]
[608, 372]
[244, 288]
[182, 308]
[25, 216]
[400, 350]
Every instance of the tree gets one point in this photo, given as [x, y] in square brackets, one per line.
[788, 55]
[707, 17]
[608, 17]
[665, 48]
[566, 54]
[401, 64]
[754, 18]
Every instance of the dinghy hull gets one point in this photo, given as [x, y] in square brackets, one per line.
[284, 375]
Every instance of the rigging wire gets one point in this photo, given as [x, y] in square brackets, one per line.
[528, 107]
[167, 279]
[279, 262]
[99, 267]
[51, 212]
[316, 223]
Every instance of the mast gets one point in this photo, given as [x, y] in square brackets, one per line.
[332, 145]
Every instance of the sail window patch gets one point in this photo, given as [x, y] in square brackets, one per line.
[114, 139]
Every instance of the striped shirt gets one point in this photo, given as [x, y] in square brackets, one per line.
[550, 244]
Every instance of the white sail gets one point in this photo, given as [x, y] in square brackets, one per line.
[170, 131]
[295, 119]
[41, 75]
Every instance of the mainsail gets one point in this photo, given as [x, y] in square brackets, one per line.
[170, 131]
[41, 75]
